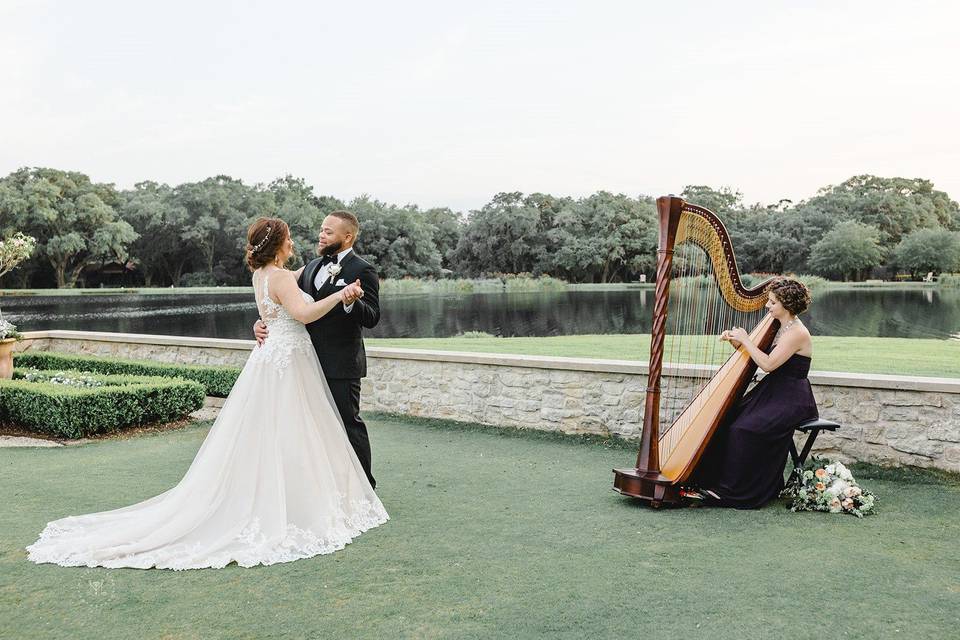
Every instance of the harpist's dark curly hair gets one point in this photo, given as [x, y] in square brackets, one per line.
[792, 294]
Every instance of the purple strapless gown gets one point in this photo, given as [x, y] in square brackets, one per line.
[745, 460]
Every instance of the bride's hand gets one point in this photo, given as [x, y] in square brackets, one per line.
[351, 293]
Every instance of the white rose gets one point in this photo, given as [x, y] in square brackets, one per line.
[838, 487]
[842, 472]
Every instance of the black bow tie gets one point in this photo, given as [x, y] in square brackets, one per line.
[325, 260]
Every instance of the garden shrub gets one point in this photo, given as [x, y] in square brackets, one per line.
[74, 407]
[217, 380]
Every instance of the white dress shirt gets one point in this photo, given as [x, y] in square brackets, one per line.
[323, 274]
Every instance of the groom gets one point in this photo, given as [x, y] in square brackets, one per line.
[337, 335]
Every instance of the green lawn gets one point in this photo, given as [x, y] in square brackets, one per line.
[494, 534]
[899, 356]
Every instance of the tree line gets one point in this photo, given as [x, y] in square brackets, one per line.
[193, 234]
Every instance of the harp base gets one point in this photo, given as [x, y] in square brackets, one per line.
[651, 488]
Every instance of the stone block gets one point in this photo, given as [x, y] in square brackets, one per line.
[910, 439]
[501, 402]
[611, 388]
[825, 402]
[874, 434]
[866, 412]
[511, 379]
[900, 413]
[528, 405]
[849, 431]
[610, 401]
[845, 401]
[947, 431]
[913, 399]
[552, 400]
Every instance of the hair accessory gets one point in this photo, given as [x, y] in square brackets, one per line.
[262, 242]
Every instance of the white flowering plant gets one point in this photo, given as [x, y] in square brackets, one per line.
[13, 251]
[66, 378]
[823, 485]
[8, 330]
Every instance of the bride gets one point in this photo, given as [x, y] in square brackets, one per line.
[275, 480]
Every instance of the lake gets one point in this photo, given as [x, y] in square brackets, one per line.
[888, 312]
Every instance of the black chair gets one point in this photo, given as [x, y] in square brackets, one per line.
[812, 428]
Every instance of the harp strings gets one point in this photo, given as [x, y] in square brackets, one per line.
[697, 315]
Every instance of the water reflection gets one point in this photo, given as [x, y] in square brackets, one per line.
[928, 313]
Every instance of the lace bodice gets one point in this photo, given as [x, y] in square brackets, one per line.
[287, 334]
[271, 311]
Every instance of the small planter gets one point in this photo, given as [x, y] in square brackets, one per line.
[6, 358]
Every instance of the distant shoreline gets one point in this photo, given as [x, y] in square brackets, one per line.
[615, 286]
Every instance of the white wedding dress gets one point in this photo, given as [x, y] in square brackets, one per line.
[275, 480]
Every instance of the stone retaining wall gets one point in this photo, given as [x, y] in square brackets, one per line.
[889, 420]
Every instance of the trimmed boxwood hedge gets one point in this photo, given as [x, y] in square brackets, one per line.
[74, 412]
[217, 380]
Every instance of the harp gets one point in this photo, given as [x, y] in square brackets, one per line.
[699, 293]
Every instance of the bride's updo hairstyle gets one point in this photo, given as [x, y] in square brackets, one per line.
[792, 294]
[265, 238]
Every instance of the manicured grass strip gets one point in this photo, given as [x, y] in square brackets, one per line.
[897, 356]
[492, 535]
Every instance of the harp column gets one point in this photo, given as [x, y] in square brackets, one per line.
[638, 482]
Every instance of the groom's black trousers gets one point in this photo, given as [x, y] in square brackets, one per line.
[346, 395]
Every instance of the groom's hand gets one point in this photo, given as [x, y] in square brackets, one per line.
[260, 331]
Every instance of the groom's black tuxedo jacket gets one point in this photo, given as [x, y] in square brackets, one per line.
[337, 335]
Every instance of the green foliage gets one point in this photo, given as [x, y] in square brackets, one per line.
[73, 219]
[894, 206]
[525, 282]
[400, 241]
[160, 220]
[71, 411]
[725, 202]
[849, 249]
[219, 211]
[195, 233]
[303, 211]
[505, 282]
[925, 250]
[949, 280]
[475, 335]
[510, 234]
[216, 381]
[603, 237]
[812, 282]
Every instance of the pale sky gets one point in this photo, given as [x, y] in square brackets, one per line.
[447, 103]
